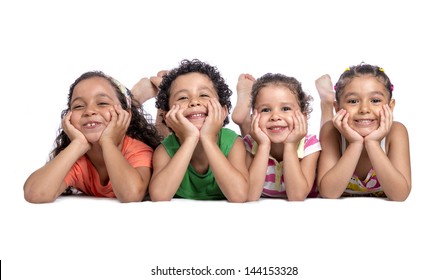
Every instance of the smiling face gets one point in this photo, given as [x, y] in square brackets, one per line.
[363, 98]
[276, 106]
[192, 92]
[90, 104]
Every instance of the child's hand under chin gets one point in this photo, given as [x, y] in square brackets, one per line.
[117, 127]
[181, 126]
[386, 121]
[73, 133]
[298, 128]
[340, 122]
[214, 121]
[256, 132]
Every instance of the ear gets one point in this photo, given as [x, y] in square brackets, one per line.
[336, 106]
[392, 104]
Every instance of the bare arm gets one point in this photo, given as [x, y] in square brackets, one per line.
[258, 163]
[335, 170]
[257, 170]
[169, 173]
[393, 170]
[231, 173]
[47, 183]
[299, 176]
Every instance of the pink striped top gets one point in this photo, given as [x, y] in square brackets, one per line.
[274, 178]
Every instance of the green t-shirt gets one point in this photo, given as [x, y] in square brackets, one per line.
[195, 185]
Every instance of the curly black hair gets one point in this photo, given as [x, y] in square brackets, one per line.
[304, 100]
[362, 69]
[194, 66]
[140, 128]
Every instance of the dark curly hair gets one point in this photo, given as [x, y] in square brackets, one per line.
[194, 66]
[140, 128]
[362, 69]
[290, 83]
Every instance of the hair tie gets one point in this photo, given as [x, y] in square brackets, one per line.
[124, 91]
[392, 87]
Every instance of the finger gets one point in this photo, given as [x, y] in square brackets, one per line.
[120, 114]
[345, 120]
[66, 121]
[338, 117]
[113, 115]
[211, 109]
[170, 116]
[301, 120]
[219, 111]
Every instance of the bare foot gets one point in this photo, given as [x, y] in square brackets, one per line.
[147, 88]
[241, 112]
[327, 97]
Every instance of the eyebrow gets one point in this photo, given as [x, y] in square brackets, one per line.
[281, 104]
[349, 94]
[185, 90]
[101, 94]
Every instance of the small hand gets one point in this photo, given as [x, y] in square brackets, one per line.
[181, 126]
[215, 119]
[256, 132]
[73, 133]
[117, 127]
[340, 121]
[386, 121]
[298, 128]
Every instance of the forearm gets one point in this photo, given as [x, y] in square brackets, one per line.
[336, 179]
[46, 183]
[257, 172]
[393, 182]
[233, 184]
[166, 181]
[296, 184]
[127, 182]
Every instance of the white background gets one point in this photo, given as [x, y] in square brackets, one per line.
[45, 45]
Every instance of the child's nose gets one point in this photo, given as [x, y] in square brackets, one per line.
[194, 103]
[90, 110]
[275, 116]
[365, 108]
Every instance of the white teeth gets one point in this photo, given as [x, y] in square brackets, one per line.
[90, 124]
[197, 115]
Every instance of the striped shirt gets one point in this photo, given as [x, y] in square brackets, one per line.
[274, 179]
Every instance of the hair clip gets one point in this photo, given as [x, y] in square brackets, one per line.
[381, 69]
[347, 69]
[335, 87]
[124, 91]
[392, 87]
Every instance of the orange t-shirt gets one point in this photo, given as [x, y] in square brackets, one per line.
[84, 176]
